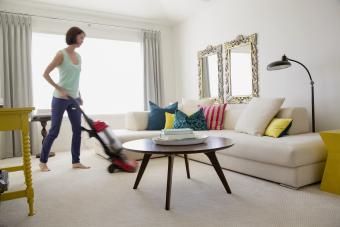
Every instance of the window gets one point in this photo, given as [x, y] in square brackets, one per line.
[111, 79]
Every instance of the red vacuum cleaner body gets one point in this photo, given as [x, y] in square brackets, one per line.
[114, 147]
[110, 143]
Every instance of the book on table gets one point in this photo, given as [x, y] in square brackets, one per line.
[177, 134]
[178, 137]
[179, 131]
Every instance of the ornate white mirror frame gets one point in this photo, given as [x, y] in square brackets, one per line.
[210, 50]
[241, 41]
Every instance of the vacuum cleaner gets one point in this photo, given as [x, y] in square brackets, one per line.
[110, 143]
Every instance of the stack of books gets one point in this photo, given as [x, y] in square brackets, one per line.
[177, 134]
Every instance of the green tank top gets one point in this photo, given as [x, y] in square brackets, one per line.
[69, 74]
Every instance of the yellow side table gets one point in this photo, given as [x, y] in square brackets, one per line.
[18, 119]
[331, 176]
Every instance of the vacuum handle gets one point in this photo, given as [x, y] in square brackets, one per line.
[88, 120]
[75, 102]
[78, 107]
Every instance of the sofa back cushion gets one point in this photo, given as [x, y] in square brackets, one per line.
[300, 123]
[231, 115]
[190, 106]
[136, 121]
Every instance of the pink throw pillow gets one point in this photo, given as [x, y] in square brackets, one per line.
[214, 116]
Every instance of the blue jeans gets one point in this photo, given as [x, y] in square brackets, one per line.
[58, 108]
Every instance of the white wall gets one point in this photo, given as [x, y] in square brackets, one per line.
[305, 30]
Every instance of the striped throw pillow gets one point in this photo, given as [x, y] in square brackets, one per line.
[214, 116]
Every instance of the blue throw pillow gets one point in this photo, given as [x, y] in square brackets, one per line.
[196, 121]
[157, 115]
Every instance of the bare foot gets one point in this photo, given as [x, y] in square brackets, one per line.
[43, 167]
[79, 166]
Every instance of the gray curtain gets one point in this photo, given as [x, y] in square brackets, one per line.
[15, 73]
[152, 68]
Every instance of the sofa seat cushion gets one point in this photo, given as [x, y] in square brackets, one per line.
[288, 151]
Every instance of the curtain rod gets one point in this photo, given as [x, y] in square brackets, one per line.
[79, 21]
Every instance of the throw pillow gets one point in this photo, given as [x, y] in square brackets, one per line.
[196, 121]
[190, 106]
[156, 118]
[257, 115]
[278, 127]
[169, 120]
[214, 116]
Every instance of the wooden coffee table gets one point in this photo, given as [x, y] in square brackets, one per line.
[148, 147]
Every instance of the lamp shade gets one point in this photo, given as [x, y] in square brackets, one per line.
[276, 65]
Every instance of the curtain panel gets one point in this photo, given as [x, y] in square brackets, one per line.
[152, 68]
[15, 73]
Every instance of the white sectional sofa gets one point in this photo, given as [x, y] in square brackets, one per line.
[294, 160]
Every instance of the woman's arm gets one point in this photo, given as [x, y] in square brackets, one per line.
[58, 59]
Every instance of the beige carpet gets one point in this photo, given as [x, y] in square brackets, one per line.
[67, 197]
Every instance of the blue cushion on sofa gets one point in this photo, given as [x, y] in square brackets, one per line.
[196, 121]
[156, 119]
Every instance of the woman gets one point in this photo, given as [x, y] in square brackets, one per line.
[69, 65]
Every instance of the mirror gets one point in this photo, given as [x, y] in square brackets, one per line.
[241, 69]
[210, 70]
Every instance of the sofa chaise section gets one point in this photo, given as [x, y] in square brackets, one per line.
[295, 160]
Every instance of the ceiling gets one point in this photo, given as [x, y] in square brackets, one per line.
[164, 11]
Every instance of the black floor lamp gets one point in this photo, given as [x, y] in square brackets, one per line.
[285, 63]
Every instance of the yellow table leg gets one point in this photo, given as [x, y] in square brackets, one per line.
[331, 176]
[27, 169]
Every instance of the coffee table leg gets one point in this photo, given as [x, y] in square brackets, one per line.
[218, 169]
[169, 181]
[145, 161]
[187, 165]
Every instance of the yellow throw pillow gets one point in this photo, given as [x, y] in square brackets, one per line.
[278, 127]
[169, 120]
